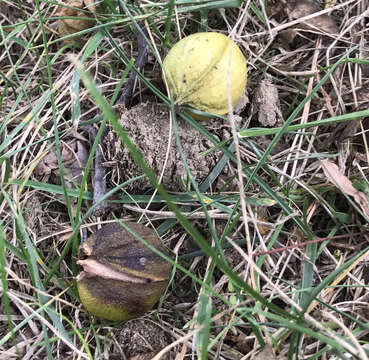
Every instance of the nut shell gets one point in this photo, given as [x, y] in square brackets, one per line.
[197, 67]
[122, 278]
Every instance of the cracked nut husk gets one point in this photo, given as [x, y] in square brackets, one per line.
[122, 278]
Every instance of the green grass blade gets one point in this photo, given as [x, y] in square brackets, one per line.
[203, 323]
[324, 122]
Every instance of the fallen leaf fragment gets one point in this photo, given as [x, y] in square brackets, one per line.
[302, 8]
[74, 23]
[74, 159]
[49, 163]
[334, 175]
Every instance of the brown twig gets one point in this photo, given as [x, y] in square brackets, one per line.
[99, 176]
[126, 99]
[141, 61]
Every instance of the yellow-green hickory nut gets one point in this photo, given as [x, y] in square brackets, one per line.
[202, 68]
[121, 278]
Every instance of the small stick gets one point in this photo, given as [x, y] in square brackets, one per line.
[141, 61]
[99, 176]
[126, 99]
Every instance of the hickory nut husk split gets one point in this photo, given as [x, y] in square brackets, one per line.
[198, 69]
[121, 278]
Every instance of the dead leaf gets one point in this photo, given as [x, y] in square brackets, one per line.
[74, 158]
[288, 36]
[49, 162]
[266, 103]
[74, 23]
[262, 216]
[302, 8]
[334, 175]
